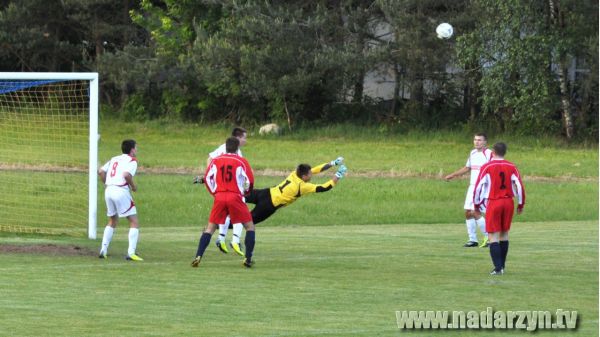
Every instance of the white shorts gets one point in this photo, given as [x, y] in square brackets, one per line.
[469, 198]
[119, 202]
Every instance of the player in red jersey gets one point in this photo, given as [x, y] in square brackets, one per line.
[498, 183]
[228, 178]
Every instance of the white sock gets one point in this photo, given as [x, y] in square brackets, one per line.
[133, 239]
[472, 230]
[223, 232]
[481, 223]
[237, 233]
[108, 234]
[223, 229]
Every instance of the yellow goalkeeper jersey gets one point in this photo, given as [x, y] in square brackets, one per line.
[293, 187]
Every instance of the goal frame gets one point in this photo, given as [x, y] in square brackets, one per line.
[93, 132]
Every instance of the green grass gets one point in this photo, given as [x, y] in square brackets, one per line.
[345, 280]
[188, 145]
[363, 201]
[338, 263]
[171, 200]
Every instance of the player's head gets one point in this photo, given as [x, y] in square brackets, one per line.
[239, 133]
[303, 172]
[500, 149]
[232, 144]
[480, 140]
[129, 147]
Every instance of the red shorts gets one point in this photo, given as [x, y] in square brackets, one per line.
[499, 214]
[232, 204]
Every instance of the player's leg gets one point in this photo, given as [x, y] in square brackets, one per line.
[134, 234]
[239, 214]
[264, 207]
[503, 248]
[507, 215]
[249, 243]
[113, 220]
[223, 229]
[480, 222]
[126, 209]
[470, 219]
[252, 197]
[204, 242]
[109, 230]
[217, 215]
[235, 239]
[493, 227]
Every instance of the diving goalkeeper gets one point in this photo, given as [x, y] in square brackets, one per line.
[297, 184]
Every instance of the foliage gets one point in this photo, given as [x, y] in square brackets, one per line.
[513, 52]
[509, 66]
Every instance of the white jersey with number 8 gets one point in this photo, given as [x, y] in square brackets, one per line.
[116, 168]
[117, 195]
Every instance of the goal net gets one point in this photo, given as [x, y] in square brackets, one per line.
[48, 152]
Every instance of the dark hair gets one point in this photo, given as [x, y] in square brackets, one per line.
[127, 145]
[232, 144]
[302, 170]
[238, 132]
[482, 134]
[500, 149]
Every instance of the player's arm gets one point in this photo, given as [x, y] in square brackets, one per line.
[317, 188]
[200, 179]
[249, 174]
[326, 166]
[129, 179]
[102, 175]
[458, 173]
[102, 172]
[307, 188]
[480, 192]
[518, 190]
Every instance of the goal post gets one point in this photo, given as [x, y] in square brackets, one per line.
[45, 153]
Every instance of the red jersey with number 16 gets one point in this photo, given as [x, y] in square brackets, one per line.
[229, 173]
[498, 179]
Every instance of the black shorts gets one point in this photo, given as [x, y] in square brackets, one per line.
[263, 205]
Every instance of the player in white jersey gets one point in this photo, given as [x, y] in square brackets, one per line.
[478, 156]
[240, 134]
[117, 176]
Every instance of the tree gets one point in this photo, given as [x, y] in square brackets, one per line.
[36, 35]
[522, 52]
[421, 61]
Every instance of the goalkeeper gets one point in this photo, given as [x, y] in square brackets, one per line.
[297, 184]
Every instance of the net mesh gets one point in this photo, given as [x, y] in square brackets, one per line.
[44, 151]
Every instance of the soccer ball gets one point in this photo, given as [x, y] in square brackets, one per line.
[444, 31]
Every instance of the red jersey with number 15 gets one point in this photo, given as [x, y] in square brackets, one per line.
[498, 179]
[229, 173]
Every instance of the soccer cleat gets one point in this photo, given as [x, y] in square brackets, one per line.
[222, 246]
[237, 248]
[497, 272]
[102, 256]
[196, 261]
[471, 244]
[247, 263]
[484, 243]
[133, 257]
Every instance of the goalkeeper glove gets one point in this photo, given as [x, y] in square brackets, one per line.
[337, 161]
[341, 172]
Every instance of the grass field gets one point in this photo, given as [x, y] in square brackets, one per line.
[308, 281]
[388, 237]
